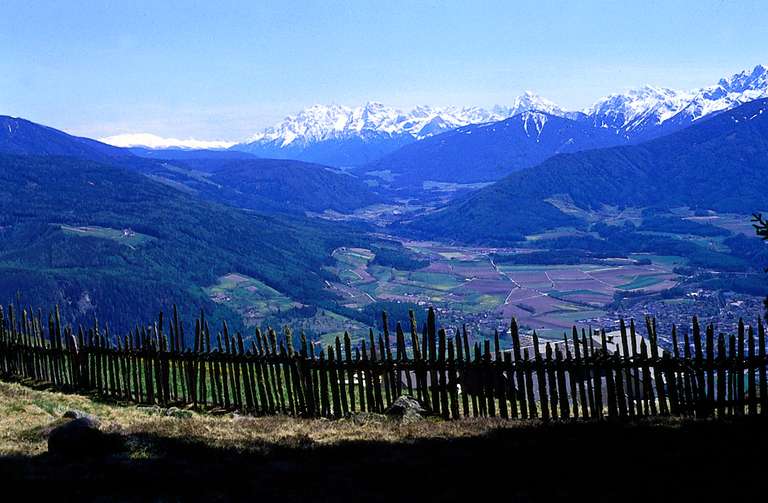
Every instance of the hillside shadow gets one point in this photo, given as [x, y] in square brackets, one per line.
[702, 461]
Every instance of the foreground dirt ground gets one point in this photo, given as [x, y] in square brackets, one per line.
[223, 458]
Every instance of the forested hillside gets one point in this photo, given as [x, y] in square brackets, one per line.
[488, 152]
[271, 184]
[180, 154]
[230, 177]
[22, 137]
[96, 238]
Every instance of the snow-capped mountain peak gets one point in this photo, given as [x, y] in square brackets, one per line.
[744, 81]
[636, 108]
[331, 122]
[729, 93]
[530, 101]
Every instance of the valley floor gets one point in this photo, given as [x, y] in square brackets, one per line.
[223, 458]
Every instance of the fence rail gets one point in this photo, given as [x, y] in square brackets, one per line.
[578, 377]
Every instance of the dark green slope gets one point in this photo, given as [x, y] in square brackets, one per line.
[181, 243]
[230, 177]
[272, 184]
[717, 164]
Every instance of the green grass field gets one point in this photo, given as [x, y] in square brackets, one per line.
[434, 280]
[123, 236]
[641, 282]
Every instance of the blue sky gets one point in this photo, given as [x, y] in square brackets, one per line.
[224, 69]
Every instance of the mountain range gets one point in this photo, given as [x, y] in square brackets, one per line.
[342, 136]
[455, 144]
[716, 164]
[488, 152]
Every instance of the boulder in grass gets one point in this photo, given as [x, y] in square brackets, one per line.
[407, 409]
[81, 438]
[177, 412]
[79, 414]
[152, 410]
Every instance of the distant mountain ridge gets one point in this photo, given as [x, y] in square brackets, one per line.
[344, 136]
[637, 110]
[339, 135]
[716, 164]
[189, 154]
[320, 122]
[488, 152]
[153, 141]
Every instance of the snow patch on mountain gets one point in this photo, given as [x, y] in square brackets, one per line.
[534, 121]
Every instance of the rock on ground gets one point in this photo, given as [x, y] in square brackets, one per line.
[407, 409]
[81, 438]
[78, 414]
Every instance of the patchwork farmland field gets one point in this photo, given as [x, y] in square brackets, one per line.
[251, 298]
[467, 286]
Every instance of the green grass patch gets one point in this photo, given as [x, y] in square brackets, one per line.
[641, 282]
[123, 236]
[434, 280]
[568, 293]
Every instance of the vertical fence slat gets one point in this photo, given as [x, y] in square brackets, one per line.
[762, 360]
[751, 386]
[541, 378]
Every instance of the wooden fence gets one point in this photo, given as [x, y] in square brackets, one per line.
[578, 377]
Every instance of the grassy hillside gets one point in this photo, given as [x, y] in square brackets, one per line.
[40, 408]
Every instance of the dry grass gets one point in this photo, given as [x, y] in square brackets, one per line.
[27, 414]
[221, 458]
